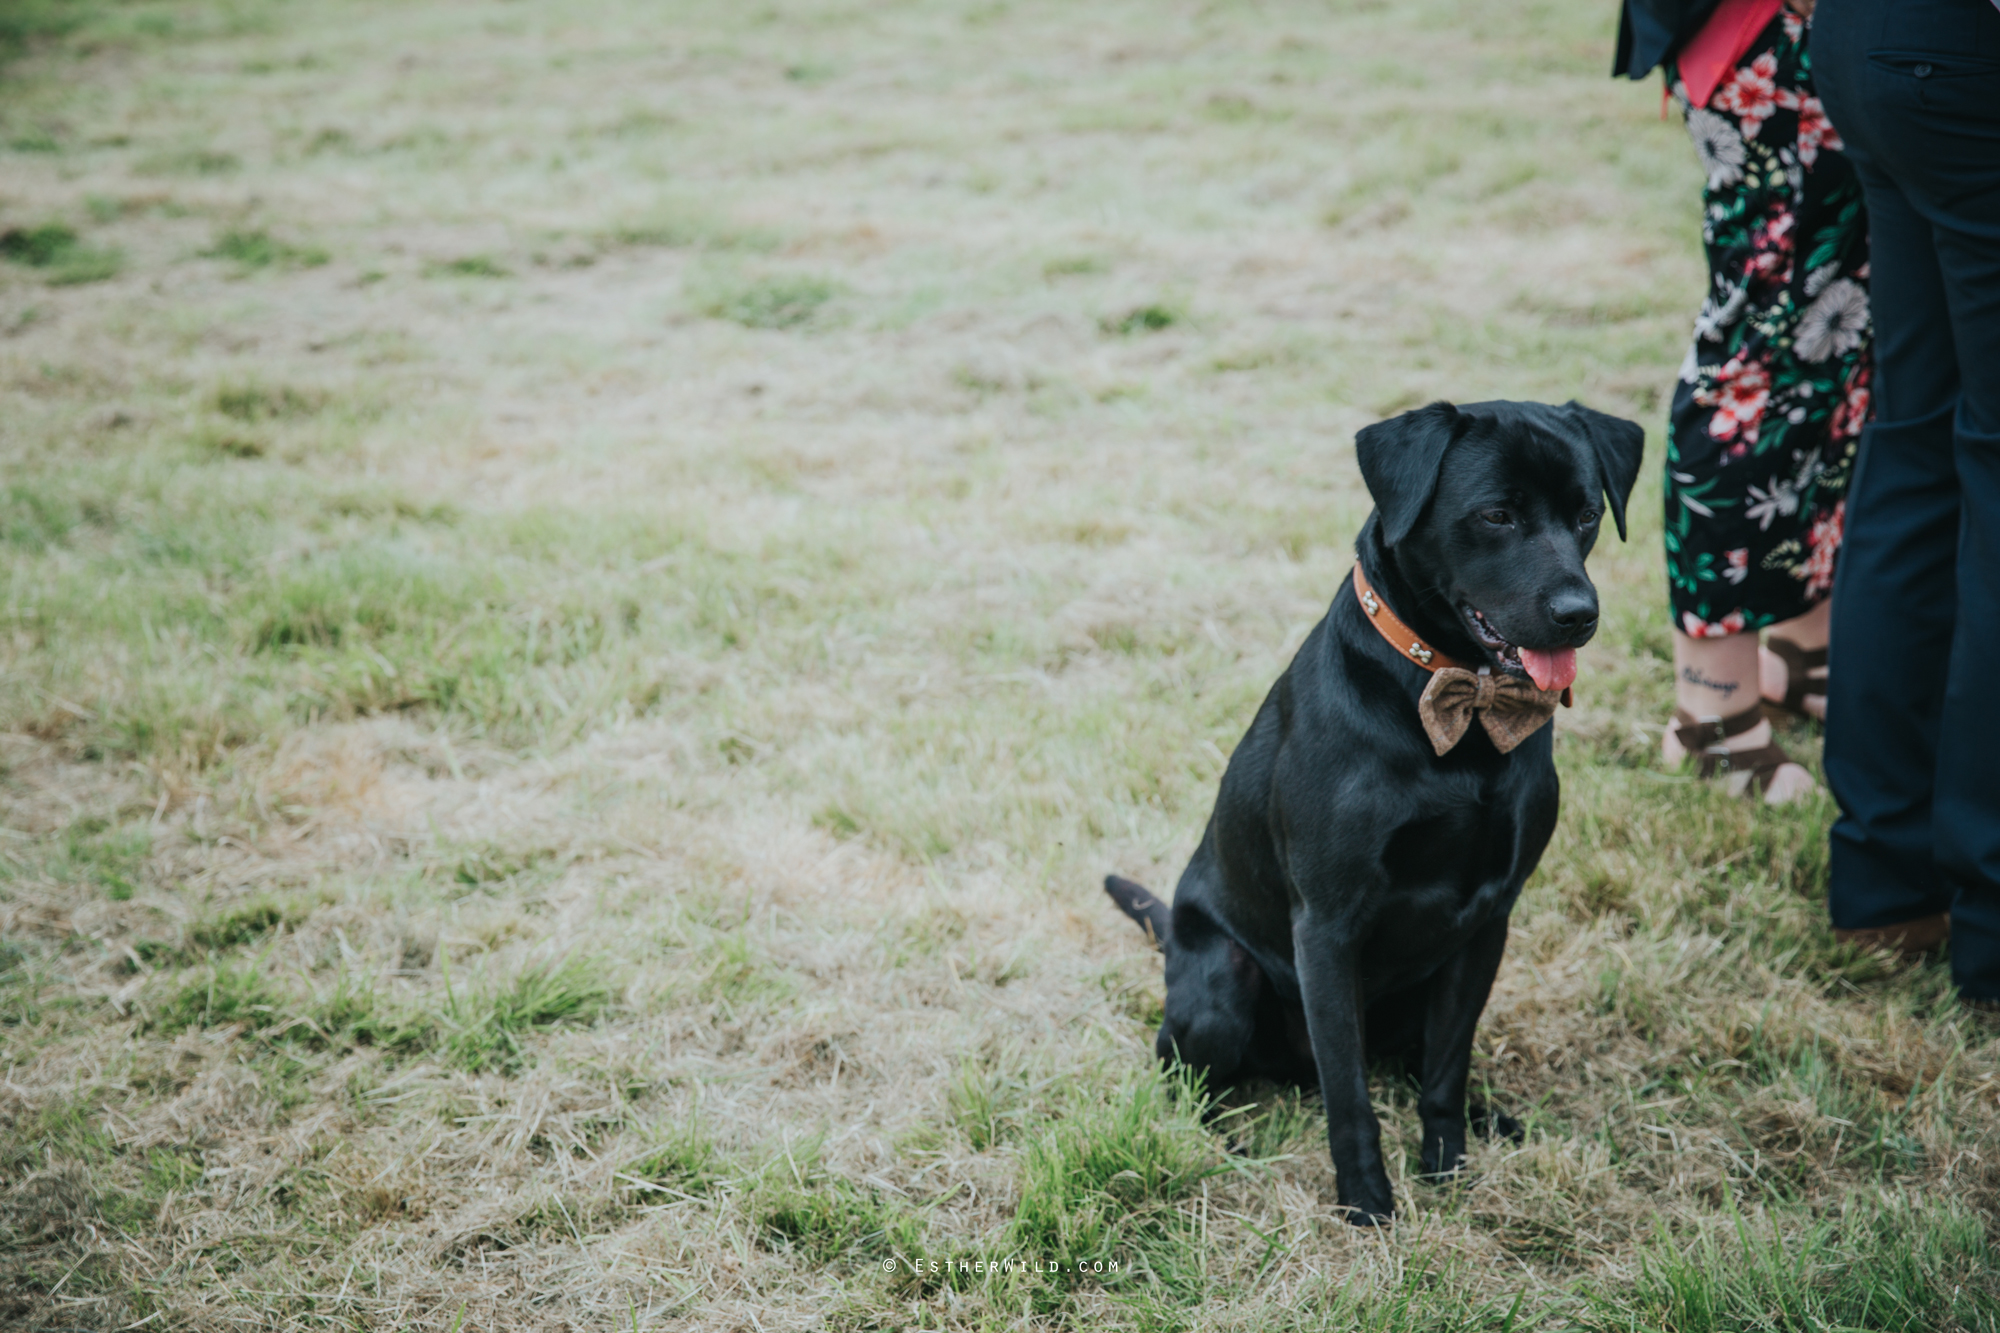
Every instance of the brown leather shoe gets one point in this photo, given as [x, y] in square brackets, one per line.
[1912, 939]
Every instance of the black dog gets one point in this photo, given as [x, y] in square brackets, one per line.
[1349, 899]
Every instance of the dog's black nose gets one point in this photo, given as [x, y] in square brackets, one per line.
[1573, 610]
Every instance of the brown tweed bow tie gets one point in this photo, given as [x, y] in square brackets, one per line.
[1510, 708]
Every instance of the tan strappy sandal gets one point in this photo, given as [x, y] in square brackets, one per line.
[1706, 740]
[1800, 683]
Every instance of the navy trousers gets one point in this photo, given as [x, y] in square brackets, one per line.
[1913, 704]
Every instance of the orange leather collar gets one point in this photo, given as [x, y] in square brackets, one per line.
[1400, 636]
[1406, 640]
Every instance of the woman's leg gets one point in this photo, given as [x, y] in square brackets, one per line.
[1719, 677]
[1772, 397]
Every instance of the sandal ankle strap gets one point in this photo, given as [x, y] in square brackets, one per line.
[1706, 741]
[1697, 734]
[1797, 660]
[1762, 763]
[1800, 684]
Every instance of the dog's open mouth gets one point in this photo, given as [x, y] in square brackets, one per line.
[1550, 669]
[1492, 640]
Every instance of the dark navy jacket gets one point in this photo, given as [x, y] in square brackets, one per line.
[1649, 31]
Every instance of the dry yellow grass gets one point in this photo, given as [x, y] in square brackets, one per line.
[591, 589]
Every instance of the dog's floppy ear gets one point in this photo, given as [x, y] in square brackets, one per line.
[1619, 446]
[1399, 460]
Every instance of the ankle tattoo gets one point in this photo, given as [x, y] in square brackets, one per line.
[1724, 688]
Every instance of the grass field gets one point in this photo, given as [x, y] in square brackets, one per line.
[591, 588]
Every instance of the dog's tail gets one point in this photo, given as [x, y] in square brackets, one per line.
[1135, 901]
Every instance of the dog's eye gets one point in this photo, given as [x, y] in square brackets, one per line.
[1499, 518]
[1588, 518]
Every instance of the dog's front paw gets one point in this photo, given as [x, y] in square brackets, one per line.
[1444, 1147]
[1443, 1157]
[1361, 1217]
[1369, 1205]
[1497, 1124]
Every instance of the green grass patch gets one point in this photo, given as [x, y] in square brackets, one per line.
[221, 995]
[479, 1025]
[192, 161]
[688, 227]
[360, 596]
[60, 254]
[467, 266]
[1150, 318]
[773, 301]
[63, 1129]
[250, 401]
[242, 924]
[104, 857]
[37, 247]
[393, 606]
[488, 866]
[1888, 1264]
[227, 442]
[351, 1014]
[684, 1160]
[990, 1101]
[482, 1027]
[23, 21]
[737, 970]
[1073, 266]
[1288, 1123]
[1103, 1183]
[251, 250]
[799, 1205]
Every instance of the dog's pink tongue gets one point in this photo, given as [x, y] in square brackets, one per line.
[1550, 671]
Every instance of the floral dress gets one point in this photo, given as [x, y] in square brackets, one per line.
[1774, 392]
